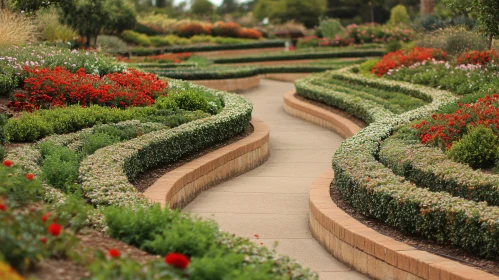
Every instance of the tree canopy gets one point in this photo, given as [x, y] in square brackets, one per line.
[306, 12]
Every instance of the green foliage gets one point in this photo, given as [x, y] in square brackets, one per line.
[190, 99]
[330, 27]
[89, 17]
[306, 12]
[96, 141]
[393, 46]
[365, 67]
[399, 15]
[454, 40]
[478, 148]
[202, 7]
[136, 38]
[60, 167]
[17, 188]
[112, 44]
[51, 28]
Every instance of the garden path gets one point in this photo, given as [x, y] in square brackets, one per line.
[272, 200]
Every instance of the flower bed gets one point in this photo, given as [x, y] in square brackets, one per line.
[160, 58]
[47, 88]
[400, 58]
[296, 56]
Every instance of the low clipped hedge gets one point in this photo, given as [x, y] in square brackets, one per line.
[430, 167]
[164, 65]
[105, 176]
[377, 192]
[209, 48]
[298, 56]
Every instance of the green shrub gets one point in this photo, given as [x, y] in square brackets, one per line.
[190, 99]
[393, 46]
[60, 167]
[454, 40]
[136, 38]
[330, 27]
[166, 103]
[112, 44]
[478, 148]
[399, 15]
[365, 67]
[51, 28]
[96, 141]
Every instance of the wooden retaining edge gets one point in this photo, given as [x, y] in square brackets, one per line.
[231, 85]
[180, 186]
[242, 84]
[356, 244]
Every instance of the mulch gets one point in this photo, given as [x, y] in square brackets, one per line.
[146, 179]
[446, 251]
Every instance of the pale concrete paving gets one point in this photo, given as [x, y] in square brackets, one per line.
[272, 200]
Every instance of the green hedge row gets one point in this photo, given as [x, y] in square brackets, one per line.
[163, 65]
[298, 56]
[201, 48]
[375, 191]
[105, 175]
[430, 167]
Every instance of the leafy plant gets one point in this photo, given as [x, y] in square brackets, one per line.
[399, 15]
[478, 148]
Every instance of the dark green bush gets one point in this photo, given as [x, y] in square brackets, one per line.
[478, 148]
[393, 46]
[60, 167]
[96, 141]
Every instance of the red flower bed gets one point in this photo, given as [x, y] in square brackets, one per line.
[477, 57]
[444, 129]
[58, 87]
[400, 58]
[249, 33]
[190, 29]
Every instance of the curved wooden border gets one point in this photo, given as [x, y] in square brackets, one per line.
[181, 185]
[230, 85]
[356, 244]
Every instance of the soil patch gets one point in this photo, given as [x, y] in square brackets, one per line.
[146, 179]
[332, 109]
[446, 251]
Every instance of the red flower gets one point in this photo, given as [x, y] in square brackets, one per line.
[46, 216]
[3, 207]
[43, 240]
[55, 229]
[7, 163]
[177, 260]
[113, 253]
[30, 176]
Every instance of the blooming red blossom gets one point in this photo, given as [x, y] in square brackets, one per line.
[3, 207]
[7, 163]
[477, 57]
[43, 240]
[59, 87]
[55, 229]
[113, 253]
[394, 60]
[178, 260]
[30, 176]
[45, 216]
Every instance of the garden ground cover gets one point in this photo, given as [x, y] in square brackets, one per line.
[81, 161]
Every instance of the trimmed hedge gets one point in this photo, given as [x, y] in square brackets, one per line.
[430, 167]
[298, 56]
[377, 192]
[105, 175]
[210, 48]
[163, 65]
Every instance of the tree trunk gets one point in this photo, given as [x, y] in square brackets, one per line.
[2, 4]
[160, 3]
[427, 7]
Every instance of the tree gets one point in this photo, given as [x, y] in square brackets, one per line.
[427, 7]
[228, 7]
[306, 12]
[89, 17]
[485, 11]
[202, 7]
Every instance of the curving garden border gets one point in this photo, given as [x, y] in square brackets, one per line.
[231, 85]
[356, 244]
[179, 187]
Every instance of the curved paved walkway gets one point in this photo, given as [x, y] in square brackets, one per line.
[272, 200]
